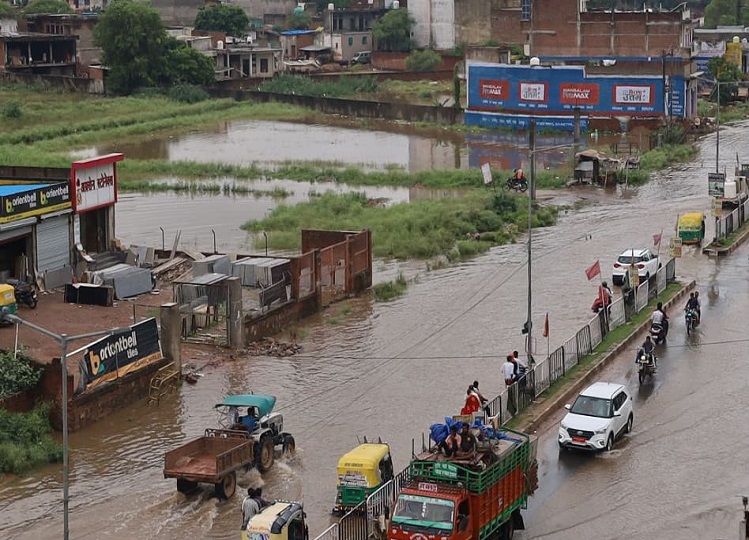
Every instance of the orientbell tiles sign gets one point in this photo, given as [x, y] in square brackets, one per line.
[94, 182]
[20, 202]
[119, 354]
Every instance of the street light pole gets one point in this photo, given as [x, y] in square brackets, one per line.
[63, 340]
[531, 197]
[717, 123]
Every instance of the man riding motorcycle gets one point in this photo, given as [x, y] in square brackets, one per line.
[694, 304]
[647, 348]
[659, 323]
[604, 298]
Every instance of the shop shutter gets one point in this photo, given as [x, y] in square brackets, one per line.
[52, 244]
[14, 233]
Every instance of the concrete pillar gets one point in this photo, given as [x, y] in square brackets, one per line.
[170, 333]
[235, 321]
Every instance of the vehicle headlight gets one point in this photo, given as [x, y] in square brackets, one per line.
[563, 425]
[601, 431]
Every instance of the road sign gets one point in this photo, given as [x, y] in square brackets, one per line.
[674, 247]
[716, 184]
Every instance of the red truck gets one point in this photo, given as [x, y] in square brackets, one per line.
[475, 496]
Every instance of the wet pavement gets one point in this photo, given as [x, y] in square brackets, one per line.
[392, 369]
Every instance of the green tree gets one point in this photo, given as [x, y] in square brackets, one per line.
[725, 12]
[133, 42]
[6, 11]
[728, 74]
[393, 31]
[222, 18]
[47, 6]
[299, 20]
[183, 65]
[425, 60]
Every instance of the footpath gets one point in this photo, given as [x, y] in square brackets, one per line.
[565, 389]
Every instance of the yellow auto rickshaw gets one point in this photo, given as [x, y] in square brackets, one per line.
[360, 472]
[7, 302]
[691, 228]
[282, 520]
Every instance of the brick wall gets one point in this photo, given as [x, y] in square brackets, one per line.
[19, 402]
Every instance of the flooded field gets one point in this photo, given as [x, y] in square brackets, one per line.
[244, 142]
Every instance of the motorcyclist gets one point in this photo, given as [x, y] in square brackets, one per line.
[697, 303]
[647, 347]
[660, 318]
[606, 293]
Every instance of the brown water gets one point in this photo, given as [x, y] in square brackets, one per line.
[244, 142]
[392, 369]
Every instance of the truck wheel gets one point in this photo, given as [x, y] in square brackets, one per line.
[227, 486]
[289, 445]
[186, 486]
[508, 531]
[264, 457]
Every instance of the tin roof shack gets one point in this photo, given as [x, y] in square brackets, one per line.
[39, 54]
[80, 25]
[293, 40]
[245, 61]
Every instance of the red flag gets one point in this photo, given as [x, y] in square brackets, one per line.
[657, 239]
[546, 326]
[593, 271]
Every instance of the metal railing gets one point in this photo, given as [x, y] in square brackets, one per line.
[617, 314]
[641, 296]
[728, 223]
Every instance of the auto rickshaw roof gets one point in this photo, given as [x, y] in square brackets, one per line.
[273, 518]
[366, 456]
[693, 219]
[5, 288]
[263, 402]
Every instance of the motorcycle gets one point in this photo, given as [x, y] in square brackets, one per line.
[25, 292]
[658, 332]
[518, 184]
[647, 364]
[690, 319]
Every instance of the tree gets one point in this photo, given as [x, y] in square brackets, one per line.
[393, 31]
[425, 60]
[725, 12]
[184, 65]
[47, 6]
[299, 20]
[133, 42]
[728, 74]
[6, 11]
[222, 18]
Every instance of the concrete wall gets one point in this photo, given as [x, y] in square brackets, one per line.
[397, 61]
[256, 9]
[473, 22]
[443, 25]
[421, 10]
[352, 107]
[274, 321]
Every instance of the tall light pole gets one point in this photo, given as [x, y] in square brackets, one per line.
[63, 340]
[331, 8]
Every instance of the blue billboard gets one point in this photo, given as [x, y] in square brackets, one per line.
[506, 95]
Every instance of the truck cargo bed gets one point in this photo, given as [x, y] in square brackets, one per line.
[208, 458]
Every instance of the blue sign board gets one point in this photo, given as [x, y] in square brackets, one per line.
[505, 95]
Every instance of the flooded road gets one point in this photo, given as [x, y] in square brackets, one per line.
[393, 369]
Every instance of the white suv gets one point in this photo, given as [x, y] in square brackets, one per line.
[647, 264]
[601, 413]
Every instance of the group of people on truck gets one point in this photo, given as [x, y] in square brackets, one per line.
[461, 444]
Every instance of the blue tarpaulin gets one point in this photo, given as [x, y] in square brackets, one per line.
[439, 432]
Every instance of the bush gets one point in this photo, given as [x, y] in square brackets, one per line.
[423, 61]
[16, 375]
[304, 86]
[25, 440]
[390, 289]
[187, 93]
[12, 110]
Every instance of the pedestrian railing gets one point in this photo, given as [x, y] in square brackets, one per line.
[541, 375]
[381, 501]
[728, 223]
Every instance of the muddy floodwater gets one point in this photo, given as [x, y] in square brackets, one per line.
[392, 369]
[244, 142]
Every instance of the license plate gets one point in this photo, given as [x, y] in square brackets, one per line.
[580, 440]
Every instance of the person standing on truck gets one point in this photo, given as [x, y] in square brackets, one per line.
[467, 440]
[250, 507]
[451, 445]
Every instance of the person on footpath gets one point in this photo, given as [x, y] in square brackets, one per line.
[509, 369]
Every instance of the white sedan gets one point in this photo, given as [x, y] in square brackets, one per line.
[646, 261]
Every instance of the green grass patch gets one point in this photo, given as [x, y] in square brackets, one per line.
[320, 87]
[25, 441]
[419, 229]
[612, 339]
[390, 290]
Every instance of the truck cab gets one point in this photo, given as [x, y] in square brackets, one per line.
[432, 511]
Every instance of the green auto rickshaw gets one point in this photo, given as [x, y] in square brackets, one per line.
[361, 472]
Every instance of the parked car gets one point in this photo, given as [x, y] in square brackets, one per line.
[601, 413]
[646, 261]
[363, 57]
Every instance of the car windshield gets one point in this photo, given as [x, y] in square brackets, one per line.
[627, 259]
[592, 406]
[424, 512]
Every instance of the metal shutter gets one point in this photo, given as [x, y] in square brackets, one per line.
[12, 234]
[52, 244]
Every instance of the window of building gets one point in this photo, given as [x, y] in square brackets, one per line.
[364, 40]
[350, 41]
[525, 10]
